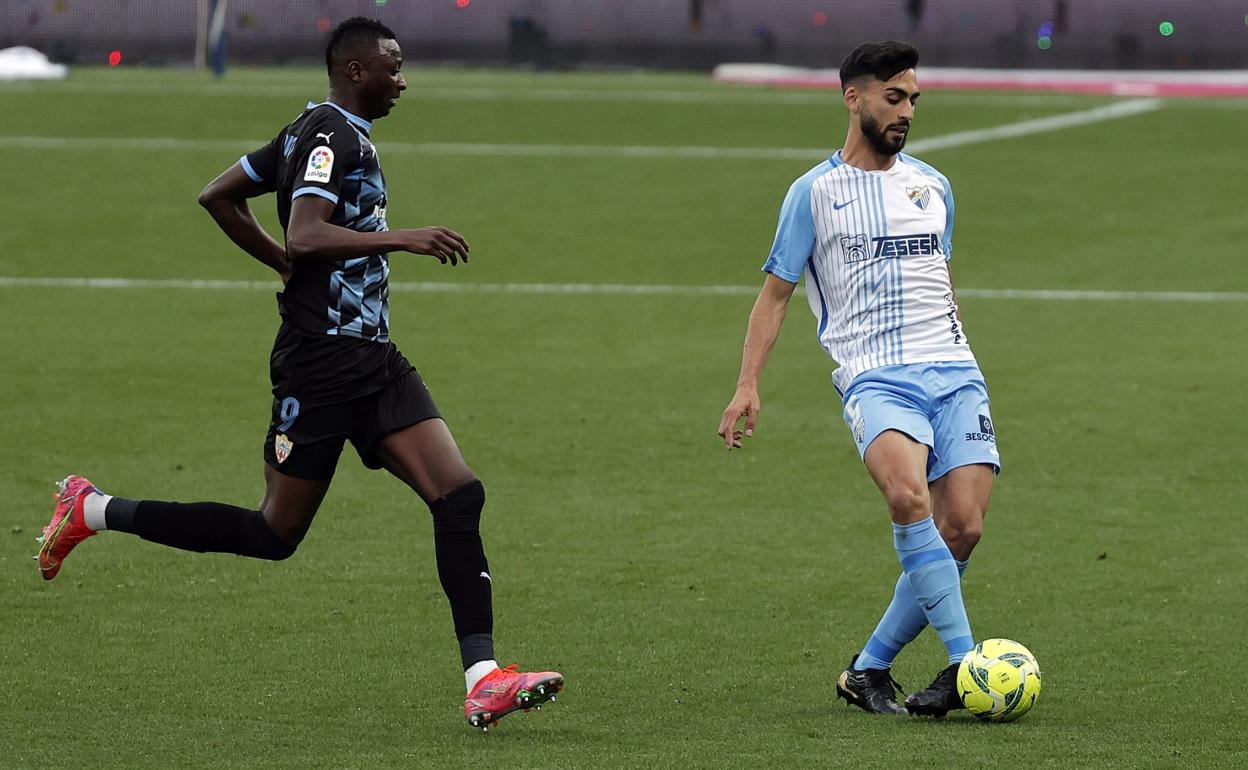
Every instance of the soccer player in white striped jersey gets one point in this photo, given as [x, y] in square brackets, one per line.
[871, 231]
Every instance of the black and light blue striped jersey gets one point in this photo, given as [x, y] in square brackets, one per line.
[327, 152]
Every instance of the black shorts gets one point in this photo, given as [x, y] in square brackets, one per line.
[311, 421]
[308, 447]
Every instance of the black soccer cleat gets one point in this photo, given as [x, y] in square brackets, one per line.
[873, 689]
[940, 697]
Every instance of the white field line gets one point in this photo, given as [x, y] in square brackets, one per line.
[604, 288]
[1038, 126]
[418, 93]
[958, 139]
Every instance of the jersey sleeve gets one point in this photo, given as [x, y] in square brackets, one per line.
[326, 152]
[795, 235]
[261, 164]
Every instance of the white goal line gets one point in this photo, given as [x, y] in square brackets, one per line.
[675, 290]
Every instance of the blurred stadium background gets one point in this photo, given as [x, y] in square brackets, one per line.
[690, 34]
[620, 200]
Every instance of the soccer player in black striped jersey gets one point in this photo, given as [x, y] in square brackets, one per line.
[336, 375]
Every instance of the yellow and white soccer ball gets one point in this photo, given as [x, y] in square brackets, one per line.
[999, 680]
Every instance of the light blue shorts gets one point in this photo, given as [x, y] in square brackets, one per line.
[942, 405]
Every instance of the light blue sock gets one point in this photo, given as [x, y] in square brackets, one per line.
[901, 624]
[932, 572]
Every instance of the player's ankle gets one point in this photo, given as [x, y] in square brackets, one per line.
[478, 671]
[93, 506]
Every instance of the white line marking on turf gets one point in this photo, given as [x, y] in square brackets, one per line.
[958, 139]
[429, 148]
[1037, 126]
[1106, 296]
[605, 288]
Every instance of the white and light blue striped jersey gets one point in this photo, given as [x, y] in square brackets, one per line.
[872, 246]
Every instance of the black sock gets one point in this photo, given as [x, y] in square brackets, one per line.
[463, 570]
[202, 527]
[119, 514]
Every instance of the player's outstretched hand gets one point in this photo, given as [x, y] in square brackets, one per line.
[745, 404]
[441, 242]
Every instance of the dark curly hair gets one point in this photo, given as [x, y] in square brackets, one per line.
[351, 35]
[882, 60]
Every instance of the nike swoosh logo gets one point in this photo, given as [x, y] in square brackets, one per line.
[838, 206]
[933, 605]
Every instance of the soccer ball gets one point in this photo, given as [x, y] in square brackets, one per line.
[999, 680]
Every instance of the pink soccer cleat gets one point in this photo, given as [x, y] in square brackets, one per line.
[504, 690]
[67, 528]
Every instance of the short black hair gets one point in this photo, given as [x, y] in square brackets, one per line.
[883, 60]
[351, 35]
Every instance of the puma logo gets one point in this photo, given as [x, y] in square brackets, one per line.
[327, 136]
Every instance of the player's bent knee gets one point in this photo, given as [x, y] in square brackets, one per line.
[459, 511]
[907, 501]
[258, 540]
[962, 535]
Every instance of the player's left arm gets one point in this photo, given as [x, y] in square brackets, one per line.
[953, 292]
[225, 198]
[948, 242]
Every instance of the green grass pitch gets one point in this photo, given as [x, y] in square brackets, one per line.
[700, 602]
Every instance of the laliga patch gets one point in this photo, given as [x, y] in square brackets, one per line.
[920, 196]
[320, 164]
[282, 447]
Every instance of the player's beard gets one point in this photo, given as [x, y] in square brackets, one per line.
[877, 135]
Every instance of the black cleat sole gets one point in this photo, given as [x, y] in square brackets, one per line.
[936, 712]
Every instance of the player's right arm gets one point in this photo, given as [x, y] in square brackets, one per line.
[310, 236]
[790, 252]
[225, 198]
[760, 337]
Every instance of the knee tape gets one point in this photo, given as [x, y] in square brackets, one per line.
[460, 511]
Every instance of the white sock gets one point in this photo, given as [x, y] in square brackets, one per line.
[477, 671]
[93, 506]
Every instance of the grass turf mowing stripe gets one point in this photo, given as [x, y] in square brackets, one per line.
[715, 94]
[958, 139]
